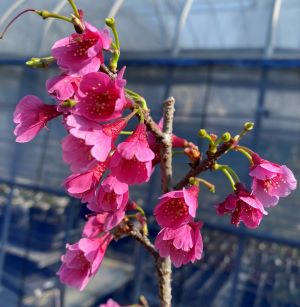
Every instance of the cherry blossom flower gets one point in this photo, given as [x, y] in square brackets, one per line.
[99, 137]
[94, 226]
[31, 116]
[183, 244]
[243, 206]
[77, 154]
[82, 53]
[112, 194]
[176, 208]
[82, 261]
[83, 185]
[100, 98]
[271, 181]
[63, 87]
[111, 198]
[80, 127]
[131, 162]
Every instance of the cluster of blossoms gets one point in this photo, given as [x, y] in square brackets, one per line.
[93, 106]
[270, 181]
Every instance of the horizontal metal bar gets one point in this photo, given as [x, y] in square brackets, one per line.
[243, 233]
[32, 187]
[176, 62]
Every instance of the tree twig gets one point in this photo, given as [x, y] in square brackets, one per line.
[135, 234]
[163, 265]
[166, 145]
[204, 165]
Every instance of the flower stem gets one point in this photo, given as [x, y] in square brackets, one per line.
[126, 132]
[14, 19]
[141, 211]
[206, 183]
[141, 113]
[203, 134]
[245, 152]
[110, 22]
[45, 14]
[248, 126]
[74, 7]
[229, 173]
[138, 98]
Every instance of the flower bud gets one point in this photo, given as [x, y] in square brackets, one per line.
[248, 126]
[40, 62]
[226, 137]
[110, 22]
[69, 103]
[202, 133]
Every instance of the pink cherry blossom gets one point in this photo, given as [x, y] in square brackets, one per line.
[243, 207]
[94, 225]
[177, 207]
[100, 98]
[102, 140]
[112, 195]
[99, 137]
[31, 116]
[81, 127]
[271, 181]
[110, 303]
[77, 154]
[111, 198]
[183, 244]
[82, 261]
[63, 87]
[82, 53]
[131, 162]
[83, 185]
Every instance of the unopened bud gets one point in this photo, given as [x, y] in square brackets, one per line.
[69, 103]
[213, 137]
[193, 153]
[202, 133]
[110, 22]
[40, 62]
[226, 137]
[43, 13]
[248, 126]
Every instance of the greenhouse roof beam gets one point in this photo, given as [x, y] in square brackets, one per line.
[270, 41]
[115, 8]
[181, 21]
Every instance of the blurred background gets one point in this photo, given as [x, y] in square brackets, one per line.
[225, 62]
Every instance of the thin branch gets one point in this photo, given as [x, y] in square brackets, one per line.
[166, 145]
[204, 165]
[163, 265]
[152, 126]
[135, 234]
